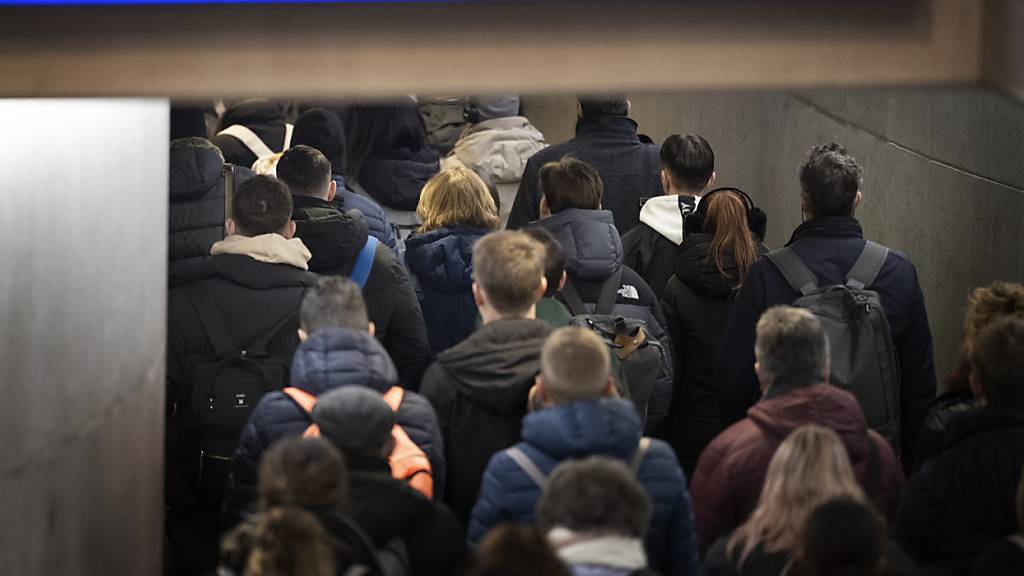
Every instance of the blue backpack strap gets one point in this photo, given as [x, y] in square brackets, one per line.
[364, 262]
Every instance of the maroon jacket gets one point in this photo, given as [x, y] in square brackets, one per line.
[731, 471]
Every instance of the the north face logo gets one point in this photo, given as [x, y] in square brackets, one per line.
[629, 291]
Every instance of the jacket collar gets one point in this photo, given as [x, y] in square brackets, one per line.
[979, 421]
[612, 551]
[269, 248]
[607, 127]
[828, 227]
[300, 201]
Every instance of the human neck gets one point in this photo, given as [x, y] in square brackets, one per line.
[673, 191]
[488, 315]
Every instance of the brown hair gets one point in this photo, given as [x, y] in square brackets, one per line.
[570, 183]
[286, 541]
[456, 197]
[997, 362]
[727, 219]
[509, 267]
[304, 472]
[574, 365]
[512, 550]
[986, 304]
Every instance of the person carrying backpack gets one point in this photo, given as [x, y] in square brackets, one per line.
[881, 350]
[253, 134]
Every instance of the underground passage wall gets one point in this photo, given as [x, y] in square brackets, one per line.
[943, 172]
[83, 270]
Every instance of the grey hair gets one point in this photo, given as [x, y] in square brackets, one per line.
[791, 348]
[596, 495]
[195, 143]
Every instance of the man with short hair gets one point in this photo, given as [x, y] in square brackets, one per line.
[829, 242]
[792, 366]
[607, 139]
[582, 417]
[962, 501]
[336, 240]
[549, 309]
[687, 170]
[479, 388]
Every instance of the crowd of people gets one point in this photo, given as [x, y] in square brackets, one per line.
[412, 338]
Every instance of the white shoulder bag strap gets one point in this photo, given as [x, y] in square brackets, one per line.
[251, 140]
[288, 129]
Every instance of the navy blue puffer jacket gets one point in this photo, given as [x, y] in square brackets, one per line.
[606, 427]
[441, 264]
[329, 359]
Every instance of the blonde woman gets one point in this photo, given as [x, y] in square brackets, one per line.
[456, 209]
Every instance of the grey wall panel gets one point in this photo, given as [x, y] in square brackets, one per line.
[83, 247]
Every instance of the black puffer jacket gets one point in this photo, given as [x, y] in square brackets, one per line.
[335, 239]
[197, 200]
[479, 390]
[396, 179]
[263, 117]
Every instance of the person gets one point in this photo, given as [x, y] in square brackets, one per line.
[444, 118]
[321, 129]
[828, 242]
[496, 145]
[336, 240]
[456, 211]
[595, 515]
[479, 388]
[606, 138]
[986, 304]
[792, 365]
[359, 423]
[582, 418]
[571, 193]
[962, 501]
[1005, 557]
[387, 158]
[259, 266]
[512, 550]
[709, 269]
[198, 178]
[338, 349]
[549, 309]
[687, 170]
[264, 118]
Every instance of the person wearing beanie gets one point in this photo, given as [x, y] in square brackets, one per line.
[264, 118]
[358, 422]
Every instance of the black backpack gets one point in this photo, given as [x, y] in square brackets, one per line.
[221, 391]
[863, 358]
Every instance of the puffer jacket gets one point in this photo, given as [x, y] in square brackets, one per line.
[652, 246]
[606, 427]
[329, 359]
[346, 199]
[396, 179]
[731, 471]
[441, 264]
[593, 252]
[264, 117]
[196, 213]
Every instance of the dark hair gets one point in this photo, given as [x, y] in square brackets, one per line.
[595, 495]
[305, 170]
[262, 205]
[374, 129]
[830, 179]
[513, 550]
[604, 105]
[303, 472]
[842, 537]
[335, 302]
[322, 129]
[282, 540]
[570, 183]
[554, 258]
[689, 161]
[997, 362]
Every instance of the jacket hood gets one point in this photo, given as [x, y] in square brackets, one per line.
[335, 357]
[496, 365]
[980, 421]
[696, 268]
[608, 427]
[498, 149]
[396, 180]
[241, 270]
[252, 111]
[269, 248]
[589, 240]
[194, 172]
[821, 404]
[334, 237]
[665, 215]
[442, 259]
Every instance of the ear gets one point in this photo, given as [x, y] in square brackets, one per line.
[478, 295]
[561, 283]
[289, 230]
[828, 370]
[332, 191]
[303, 335]
[975, 386]
[664, 181]
[629, 107]
[609, 389]
[229, 226]
[542, 393]
[541, 289]
[760, 376]
[579, 110]
[545, 211]
[371, 328]
[856, 200]
[711, 181]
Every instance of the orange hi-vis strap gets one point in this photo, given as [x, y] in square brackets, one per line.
[306, 401]
[408, 461]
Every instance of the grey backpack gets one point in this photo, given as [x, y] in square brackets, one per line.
[860, 344]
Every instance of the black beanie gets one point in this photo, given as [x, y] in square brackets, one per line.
[188, 121]
[321, 129]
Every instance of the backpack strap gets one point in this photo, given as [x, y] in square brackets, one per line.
[364, 262]
[638, 457]
[304, 399]
[867, 266]
[253, 142]
[793, 269]
[609, 293]
[394, 397]
[290, 320]
[211, 320]
[572, 298]
[288, 129]
[229, 191]
[527, 465]
[873, 476]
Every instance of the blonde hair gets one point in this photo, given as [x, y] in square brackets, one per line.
[456, 197]
[574, 365]
[809, 468]
[987, 304]
[509, 266]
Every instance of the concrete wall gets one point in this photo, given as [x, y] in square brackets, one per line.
[83, 248]
[944, 177]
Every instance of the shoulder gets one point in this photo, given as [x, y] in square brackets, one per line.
[634, 287]
[435, 381]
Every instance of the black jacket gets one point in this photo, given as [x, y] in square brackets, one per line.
[263, 117]
[943, 409]
[829, 247]
[479, 390]
[651, 248]
[628, 168]
[1004, 558]
[718, 562]
[335, 240]
[962, 501]
[396, 178]
[197, 200]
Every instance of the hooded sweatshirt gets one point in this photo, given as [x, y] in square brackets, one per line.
[479, 389]
[269, 248]
[650, 248]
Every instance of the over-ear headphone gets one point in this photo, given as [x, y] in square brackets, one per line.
[694, 223]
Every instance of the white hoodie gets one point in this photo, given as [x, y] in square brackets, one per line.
[665, 215]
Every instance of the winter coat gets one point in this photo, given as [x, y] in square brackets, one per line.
[652, 247]
[395, 181]
[593, 252]
[629, 169]
[441, 265]
[697, 301]
[335, 241]
[829, 247]
[329, 359]
[263, 117]
[606, 427]
[479, 389]
[943, 409]
[731, 471]
[346, 199]
[963, 501]
[718, 562]
[197, 180]
[1004, 558]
